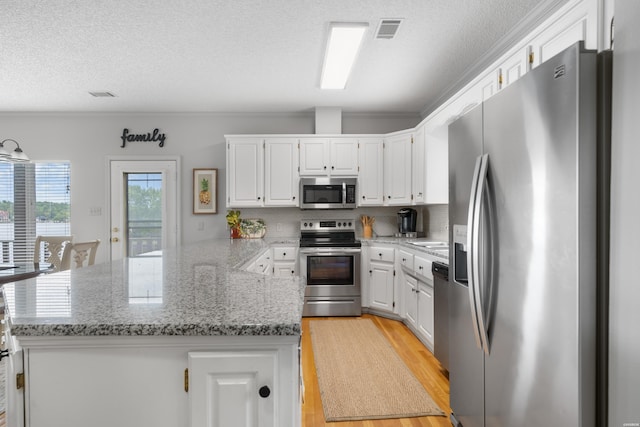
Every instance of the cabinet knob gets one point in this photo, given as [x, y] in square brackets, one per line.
[420, 268]
[388, 197]
[294, 197]
[362, 197]
[264, 391]
[284, 254]
[258, 197]
[325, 168]
[332, 168]
[380, 255]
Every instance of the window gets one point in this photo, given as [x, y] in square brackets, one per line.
[34, 200]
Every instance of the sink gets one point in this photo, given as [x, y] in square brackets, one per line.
[431, 245]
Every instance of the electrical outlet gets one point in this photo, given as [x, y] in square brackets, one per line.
[95, 211]
[200, 225]
[279, 226]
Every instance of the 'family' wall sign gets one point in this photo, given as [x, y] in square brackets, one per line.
[143, 137]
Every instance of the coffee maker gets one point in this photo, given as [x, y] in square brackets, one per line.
[407, 223]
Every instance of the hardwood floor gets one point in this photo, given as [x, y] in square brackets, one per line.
[420, 360]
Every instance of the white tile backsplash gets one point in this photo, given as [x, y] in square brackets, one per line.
[285, 222]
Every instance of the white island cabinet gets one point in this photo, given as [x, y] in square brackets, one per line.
[212, 346]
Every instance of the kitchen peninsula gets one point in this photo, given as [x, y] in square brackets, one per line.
[185, 337]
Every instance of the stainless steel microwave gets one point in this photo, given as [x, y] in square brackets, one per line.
[328, 193]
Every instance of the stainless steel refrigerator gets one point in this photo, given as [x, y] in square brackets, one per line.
[524, 287]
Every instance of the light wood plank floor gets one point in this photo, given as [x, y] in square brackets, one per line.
[420, 360]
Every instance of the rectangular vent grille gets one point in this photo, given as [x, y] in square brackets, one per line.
[559, 71]
[388, 28]
[102, 94]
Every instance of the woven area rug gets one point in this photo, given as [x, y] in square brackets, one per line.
[361, 377]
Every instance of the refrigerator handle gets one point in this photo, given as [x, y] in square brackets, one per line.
[475, 258]
[472, 250]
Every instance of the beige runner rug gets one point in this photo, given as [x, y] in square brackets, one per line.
[360, 375]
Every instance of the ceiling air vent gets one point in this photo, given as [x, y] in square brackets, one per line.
[388, 28]
[102, 94]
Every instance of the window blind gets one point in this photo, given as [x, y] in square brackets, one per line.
[38, 202]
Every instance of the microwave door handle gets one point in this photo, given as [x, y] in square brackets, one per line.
[344, 194]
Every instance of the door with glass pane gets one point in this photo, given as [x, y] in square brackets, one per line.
[143, 207]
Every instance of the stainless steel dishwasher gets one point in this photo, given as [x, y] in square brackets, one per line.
[441, 312]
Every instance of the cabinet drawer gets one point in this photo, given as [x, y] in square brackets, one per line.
[406, 259]
[284, 253]
[422, 267]
[382, 254]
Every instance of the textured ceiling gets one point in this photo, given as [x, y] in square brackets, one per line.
[241, 55]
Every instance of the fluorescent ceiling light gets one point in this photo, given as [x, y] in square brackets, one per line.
[342, 48]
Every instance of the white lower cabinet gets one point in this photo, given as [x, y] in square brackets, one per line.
[418, 308]
[285, 261]
[232, 389]
[425, 312]
[167, 381]
[381, 279]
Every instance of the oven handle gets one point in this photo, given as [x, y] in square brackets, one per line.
[330, 251]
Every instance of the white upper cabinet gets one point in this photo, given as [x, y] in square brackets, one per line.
[328, 156]
[344, 156]
[514, 67]
[418, 166]
[315, 157]
[281, 172]
[245, 176]
[437, 167]
[370, 182]
[397, 169]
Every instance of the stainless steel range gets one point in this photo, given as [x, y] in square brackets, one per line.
[330, 261]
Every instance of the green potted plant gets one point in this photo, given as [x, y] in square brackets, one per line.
[233, 221]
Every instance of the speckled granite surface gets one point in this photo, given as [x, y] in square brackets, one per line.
[197, 289]
[406, 243]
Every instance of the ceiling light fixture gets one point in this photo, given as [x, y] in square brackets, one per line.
[343, 45]
[16, 156]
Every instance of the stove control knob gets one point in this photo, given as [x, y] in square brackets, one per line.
[349, 223]
[339, 224]
[310, 224]
[305, 224]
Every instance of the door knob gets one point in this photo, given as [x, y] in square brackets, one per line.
[264, 391]
[115, 239]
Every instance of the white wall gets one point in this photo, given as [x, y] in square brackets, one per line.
[624, 327]
[88, 139]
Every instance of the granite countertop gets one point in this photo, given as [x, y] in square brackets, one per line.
[405, 242]
[195, 290]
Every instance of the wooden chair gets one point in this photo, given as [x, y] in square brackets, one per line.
[54, 246]
[80, 252]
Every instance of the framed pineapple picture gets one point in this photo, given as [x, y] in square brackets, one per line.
[205, 191]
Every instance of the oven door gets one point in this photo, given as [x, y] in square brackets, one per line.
[331, 272]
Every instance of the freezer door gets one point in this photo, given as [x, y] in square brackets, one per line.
[466, 361]
[540, 136]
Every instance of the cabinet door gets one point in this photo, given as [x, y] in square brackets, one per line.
[397, 170]
[425, 312]
[418, 166]
[370, 183]
[344, 157]
[314, 157]
[284, 269]
[514, 67]
[410, 299]
[281, 180]
[437, 166]
[245, 159]
[381, 285]
[232, 389]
